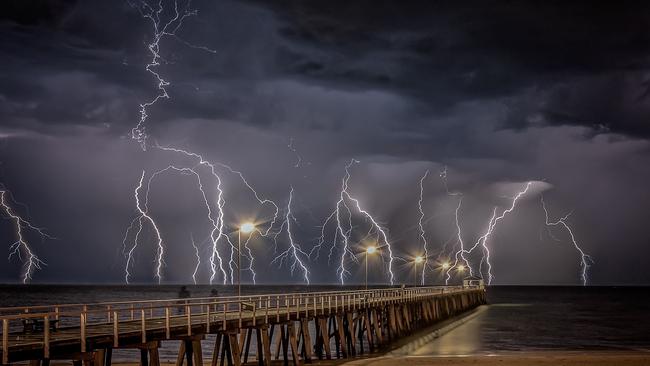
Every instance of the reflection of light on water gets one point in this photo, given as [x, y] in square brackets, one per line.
[463, 341]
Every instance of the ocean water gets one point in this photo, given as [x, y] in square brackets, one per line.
[516, 319]
[552, 318]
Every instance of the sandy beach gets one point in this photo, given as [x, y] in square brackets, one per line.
[615, 358]
[564, 358]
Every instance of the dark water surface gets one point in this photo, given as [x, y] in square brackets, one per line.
[552, 318]
[518, 318]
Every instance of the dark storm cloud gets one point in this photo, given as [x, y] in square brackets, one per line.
[444, 53]
[500, 92]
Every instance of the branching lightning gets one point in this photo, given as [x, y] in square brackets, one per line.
[167, 27]
[21, 247]
[216, 217]
[585, 259]
[482, 240]
[294, 251]
[460, 254]
[161, 29]
[166, 23]
[251, 259]
[343, 230]
[143, 216]
[422, 236]
[198, 259]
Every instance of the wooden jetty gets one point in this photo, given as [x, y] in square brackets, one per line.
[292, 328]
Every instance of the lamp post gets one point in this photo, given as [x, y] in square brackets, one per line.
[245, 228]
[417, 260]
[369, 250]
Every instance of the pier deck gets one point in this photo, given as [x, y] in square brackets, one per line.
[300, 325]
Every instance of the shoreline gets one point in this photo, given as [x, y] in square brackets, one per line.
[523, 358]
[509, 358]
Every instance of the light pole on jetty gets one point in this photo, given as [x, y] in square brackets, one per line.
[245, 228]
[417, 260]
[369, 250]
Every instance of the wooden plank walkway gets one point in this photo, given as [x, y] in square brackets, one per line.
[83, 332]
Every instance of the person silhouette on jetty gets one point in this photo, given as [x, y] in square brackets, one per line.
[183, 294]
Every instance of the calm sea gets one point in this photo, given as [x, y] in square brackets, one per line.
[518, 318]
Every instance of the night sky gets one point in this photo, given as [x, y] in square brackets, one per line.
[499, 92]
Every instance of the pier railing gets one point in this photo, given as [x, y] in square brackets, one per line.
[39, 324]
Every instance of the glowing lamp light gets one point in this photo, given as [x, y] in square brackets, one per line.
[419, 259]
[247, 228]
[445, 266]
[461, 268]
[371, 250]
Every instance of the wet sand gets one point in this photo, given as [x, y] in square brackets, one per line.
[550, 358]
[564, 358]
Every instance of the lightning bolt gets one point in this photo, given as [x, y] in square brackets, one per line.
[218, 232]
[343, 230]
[215, 234]
[494, 221]
[585, 259]
[21, 247]
[460, 254]
[251, 258]
[161, 30]
[198, 259]
[143, 215]
[216, 217]
[422, 236]
[294, 250]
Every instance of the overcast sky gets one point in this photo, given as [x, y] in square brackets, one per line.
[288, 92]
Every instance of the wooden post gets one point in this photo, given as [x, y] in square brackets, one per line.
[366, 318]
[188, 311]
[46, 337]
[217, 348]
[326, 338]
[224, 317]
[82, 330]
[189, 352]
[247, 343]
[116, 333]
[306, 337]
[234, 349]
[144, 359]
[207, 319]
[181, 354]
[198, 352]
[294, 344]
[167, 329]
[266, 345]
[5, 341]
[341, 335]
[144, 326]
[154, 356]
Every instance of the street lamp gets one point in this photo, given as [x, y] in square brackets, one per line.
[245, 228]
[369, 250]
[417, 260]
[445, 265]
[461, 268]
